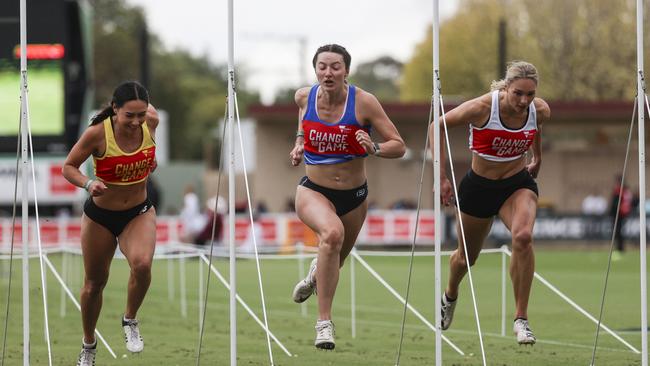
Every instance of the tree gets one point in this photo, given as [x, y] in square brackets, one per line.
[583, 49]
[285, 95]
[587, 50]
[116, 51]
[189, 88]
[468, 54]
[380, 77]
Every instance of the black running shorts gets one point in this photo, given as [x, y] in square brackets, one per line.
[114, 221]
[343, 200]
[483, 197]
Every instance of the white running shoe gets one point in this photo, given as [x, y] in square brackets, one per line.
[307, 286]
[524, 333]
[447, 310]
[134, 342]
[324, 334]
[87, 356]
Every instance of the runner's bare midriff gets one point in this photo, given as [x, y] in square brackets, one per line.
[497, 169]
[348, 175]
[122, 197]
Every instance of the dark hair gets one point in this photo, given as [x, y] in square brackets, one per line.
[125, 92]
[347, 59]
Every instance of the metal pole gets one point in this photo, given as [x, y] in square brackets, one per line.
[231, 187]
[24, 113]
[201, 298]
[642, 192]
[503, 290]
[183, 283]
[436, 179]
[353, 296]
[300, 247]
[170, 279]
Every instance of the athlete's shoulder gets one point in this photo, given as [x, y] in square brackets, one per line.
[542, 108]
[365, 98]
[302, 95]
[95, 131]
[476, 109]
[93, 136]
[483, 102]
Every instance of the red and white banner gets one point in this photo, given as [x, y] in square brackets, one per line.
[51, 186]
[272, 230]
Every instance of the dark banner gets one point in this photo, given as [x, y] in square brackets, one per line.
[563, 227]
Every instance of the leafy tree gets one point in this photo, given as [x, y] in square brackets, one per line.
[285, 95]
[583, 49]
[380, 77]
[468, 54]
[587, 50]
[116, 50]
[189, 88]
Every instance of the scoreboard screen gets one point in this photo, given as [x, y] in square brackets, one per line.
[58, 49]
[45, 82]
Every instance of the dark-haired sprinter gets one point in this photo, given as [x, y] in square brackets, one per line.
[120, 140]
[335, 121]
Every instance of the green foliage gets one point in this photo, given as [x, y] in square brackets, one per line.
[191, 89]
[285, 96]
[380, 77]
[193, 93]
[586, 49]
[583, 49]
[116, 53]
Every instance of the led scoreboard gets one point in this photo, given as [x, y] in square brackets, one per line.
[57, 72]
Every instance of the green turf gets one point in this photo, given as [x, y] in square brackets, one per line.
[565, 337]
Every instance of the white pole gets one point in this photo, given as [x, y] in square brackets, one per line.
[65, 270]
[200, 297]
[503, 290]
[231, 187]
[300, 247]
[46, 326]
[170, 279]
[642, 194]
[353, 296]
[183, 286]
[24, 170]
[436, 180]
[66, 277]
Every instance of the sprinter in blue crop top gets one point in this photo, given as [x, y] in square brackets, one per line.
[334, 138]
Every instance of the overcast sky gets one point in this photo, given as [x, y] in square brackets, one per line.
[267, 33]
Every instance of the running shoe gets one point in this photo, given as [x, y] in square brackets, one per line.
[134, 342]
[307, 286]
[87, 355]
[447, 310]
[324, 334]
[524, 333]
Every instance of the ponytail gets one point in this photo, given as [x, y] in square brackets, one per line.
[102, 115]
[498, 84]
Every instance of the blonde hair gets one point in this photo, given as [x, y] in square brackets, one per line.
[516, 70]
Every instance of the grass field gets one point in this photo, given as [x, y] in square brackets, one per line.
[565, 337]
